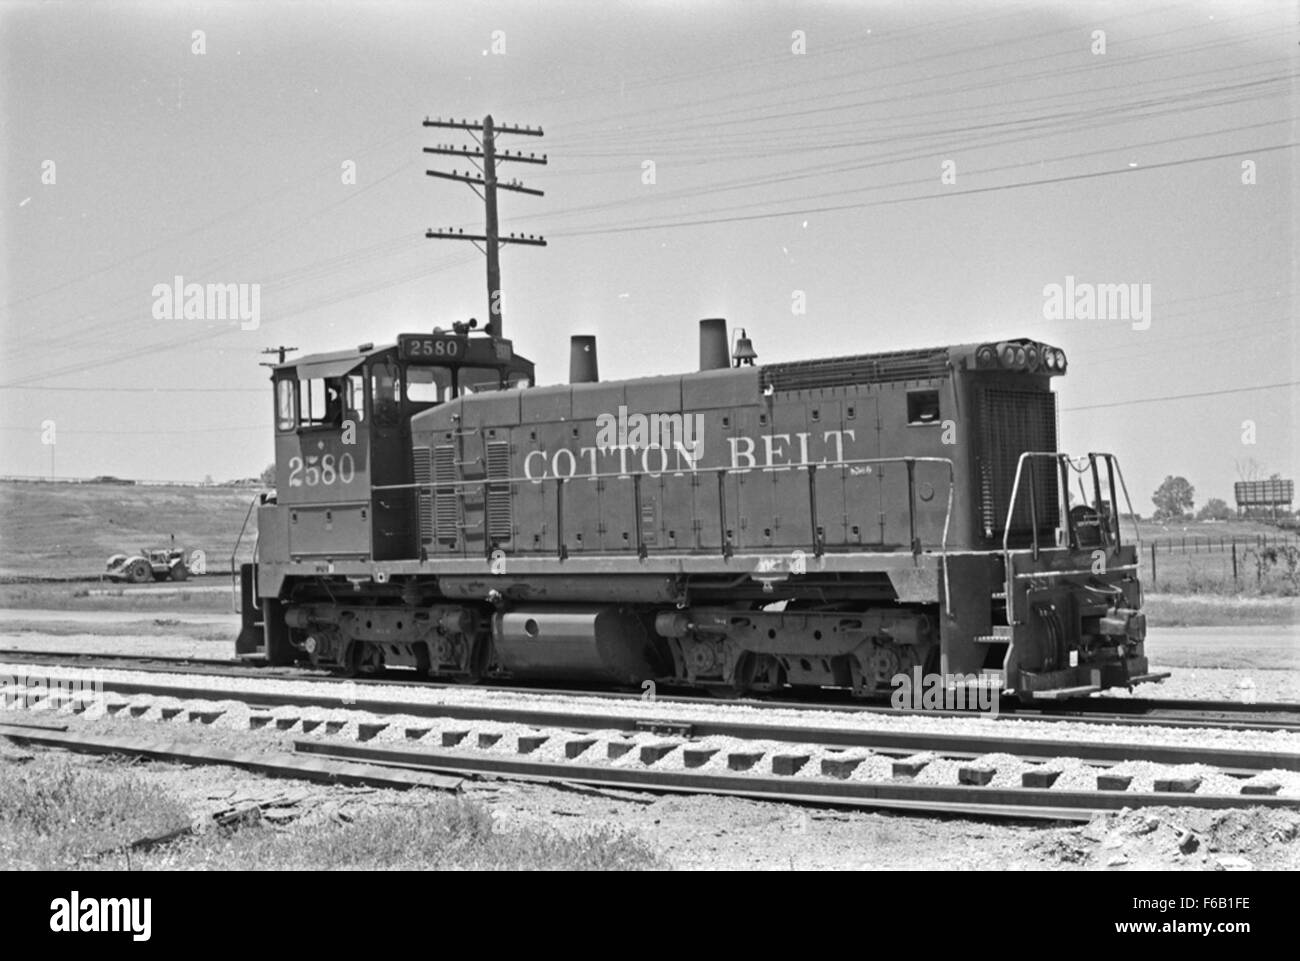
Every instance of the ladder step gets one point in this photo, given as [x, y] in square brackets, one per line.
[1001, 634]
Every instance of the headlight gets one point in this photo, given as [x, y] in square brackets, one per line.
[1032, 356]
[1020, 358]
[1007, 355]
[1049, 358]
[1060, 360]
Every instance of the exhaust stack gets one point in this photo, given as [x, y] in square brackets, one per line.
[582, 360]
[715, 352]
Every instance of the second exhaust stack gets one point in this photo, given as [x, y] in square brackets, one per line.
[715, 353]
[583, 368]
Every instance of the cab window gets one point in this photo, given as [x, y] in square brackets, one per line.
[286, 412]
[385, 397]
[427, 385]
[475, 380]
[354, 397]
[322, 401]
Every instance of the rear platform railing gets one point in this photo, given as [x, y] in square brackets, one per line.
[1107, 508]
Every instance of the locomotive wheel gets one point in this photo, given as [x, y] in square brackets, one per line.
[754, 674]
[356, 663]
[422, 661]
[760, 673]
[479, 656]
[139, 572]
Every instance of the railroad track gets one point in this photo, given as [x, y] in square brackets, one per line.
[798, 763]
[758, 774]
[1223, 715]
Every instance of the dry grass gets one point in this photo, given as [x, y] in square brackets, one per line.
[63, 530]
[442, 834]
[77, 596]
[1224, 610]
[57, 815]
[60, 813]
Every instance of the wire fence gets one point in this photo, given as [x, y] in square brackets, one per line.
[105, 481]
[1201, 544]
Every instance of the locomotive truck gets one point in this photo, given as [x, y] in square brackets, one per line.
[744, 527]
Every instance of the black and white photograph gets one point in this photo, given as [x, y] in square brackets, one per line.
[651, 436]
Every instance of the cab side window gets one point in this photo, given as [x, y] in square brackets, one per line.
[286, 406]
[385, 400]
[427, 385]
[354, 397]
[322, 401]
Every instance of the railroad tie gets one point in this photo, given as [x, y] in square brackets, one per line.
[650, 753]
[573, 749]
[743, 760]
[840, 767]
[975, 775]
[788, 765]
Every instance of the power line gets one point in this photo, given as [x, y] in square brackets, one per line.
[1204, 393]
[833, 208]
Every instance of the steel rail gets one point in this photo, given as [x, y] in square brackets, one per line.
[1130, 712]
[1020, 802]
[895, 742]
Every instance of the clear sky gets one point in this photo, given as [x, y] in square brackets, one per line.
[135, 151]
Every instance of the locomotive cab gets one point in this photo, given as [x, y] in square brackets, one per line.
[344, 473]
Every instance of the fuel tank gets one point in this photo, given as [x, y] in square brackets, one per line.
[607, 643]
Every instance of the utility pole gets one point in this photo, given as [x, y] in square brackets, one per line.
[485, 133]
[281, 350]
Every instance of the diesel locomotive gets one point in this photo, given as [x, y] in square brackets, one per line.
[744, 527]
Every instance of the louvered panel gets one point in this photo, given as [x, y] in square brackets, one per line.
[1012, 422]
[446, 506]
[422, 472]
[500, 515]
[862, 369]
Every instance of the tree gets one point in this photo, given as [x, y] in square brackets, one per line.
[1215, 509]
[268, 475]
[1173, 498]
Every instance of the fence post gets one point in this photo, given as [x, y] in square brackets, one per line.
[1234, 564]
[1153, 565]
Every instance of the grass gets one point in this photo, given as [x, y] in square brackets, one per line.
[444, 834]
[1210, 610]
[60, 813]
[76, 596]
[63, 530]
[55, 816]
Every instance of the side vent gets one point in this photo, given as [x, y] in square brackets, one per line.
[500, 515]
[446, 507]
[422, 471]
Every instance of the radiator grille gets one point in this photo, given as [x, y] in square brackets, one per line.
[862, 369]
[422, 472]
[500, 519]
[1010, 423]
[446, 506]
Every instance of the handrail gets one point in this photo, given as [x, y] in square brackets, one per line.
[433, 486]
[1137, 531]
[234, 568]
[1062, 459]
